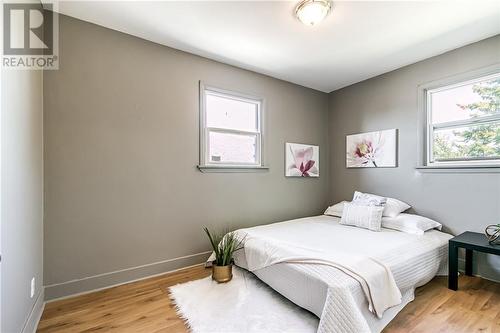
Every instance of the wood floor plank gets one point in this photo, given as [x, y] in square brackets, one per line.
[144, 306]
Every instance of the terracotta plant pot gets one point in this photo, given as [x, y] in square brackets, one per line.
[222, 274]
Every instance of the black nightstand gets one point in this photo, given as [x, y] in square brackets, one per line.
[470, 241]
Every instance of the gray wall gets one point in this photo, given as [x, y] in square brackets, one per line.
[21, 197]
[121, 149]
[123, 198]
[461, 201]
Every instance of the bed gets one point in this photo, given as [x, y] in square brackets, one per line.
[334, 296]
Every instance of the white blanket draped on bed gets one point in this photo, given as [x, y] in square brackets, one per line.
[374, 277]
[327, 252]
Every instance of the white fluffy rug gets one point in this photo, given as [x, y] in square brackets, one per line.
[245, 304]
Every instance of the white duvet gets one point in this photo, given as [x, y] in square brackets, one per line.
[263, 250]
[364, 257]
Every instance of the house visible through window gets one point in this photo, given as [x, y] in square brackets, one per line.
[463, 123]
[231, 129]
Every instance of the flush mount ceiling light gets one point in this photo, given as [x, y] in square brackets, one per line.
[311, 12]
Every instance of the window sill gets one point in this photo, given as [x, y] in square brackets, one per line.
[459, 169]
[231, 169]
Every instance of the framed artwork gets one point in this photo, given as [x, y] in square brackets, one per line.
[301, 160]
[372, 149]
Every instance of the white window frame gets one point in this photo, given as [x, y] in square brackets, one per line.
[206, 165]
[427, 128]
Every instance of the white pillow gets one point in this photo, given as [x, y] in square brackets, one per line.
[335, 210]
[368, 217]
[393, 207]
[410, 223]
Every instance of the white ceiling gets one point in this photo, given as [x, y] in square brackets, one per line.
[358, 40]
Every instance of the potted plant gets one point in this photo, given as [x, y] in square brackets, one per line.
[224, 245]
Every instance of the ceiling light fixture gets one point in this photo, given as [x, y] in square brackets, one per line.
[311, 12]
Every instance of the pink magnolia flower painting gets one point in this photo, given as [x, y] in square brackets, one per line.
[301, 160]
[372, 150]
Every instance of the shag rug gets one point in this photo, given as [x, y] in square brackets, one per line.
[245, 304]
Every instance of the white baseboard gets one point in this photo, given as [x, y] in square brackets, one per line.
[110, 279]
[461, 269]
[35, 314]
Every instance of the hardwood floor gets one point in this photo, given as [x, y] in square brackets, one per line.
[144, 306]
[475, 307]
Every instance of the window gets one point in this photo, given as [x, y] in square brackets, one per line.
[463, 122]
[230, 131]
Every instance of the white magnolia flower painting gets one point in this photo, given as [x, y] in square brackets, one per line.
[372, 150]
[301, 160]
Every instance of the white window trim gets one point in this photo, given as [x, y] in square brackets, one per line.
[205, 165]
[425, 128]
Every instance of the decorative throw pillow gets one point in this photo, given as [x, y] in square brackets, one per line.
[368, 217]
[335, 210]
[367, 199]
[410, 223]
[393, 207]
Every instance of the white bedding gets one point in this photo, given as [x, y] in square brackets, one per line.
[264, 248]
[337, 298]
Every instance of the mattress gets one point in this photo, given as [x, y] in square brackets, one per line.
[338, 299]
